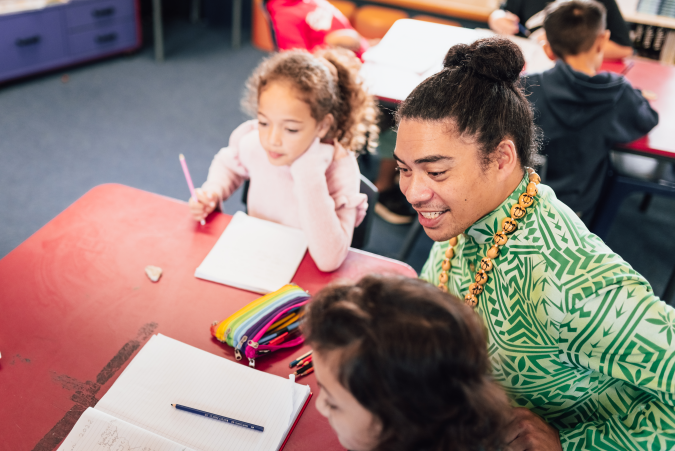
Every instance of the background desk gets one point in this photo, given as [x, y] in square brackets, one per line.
[660, 79]
[76, 305]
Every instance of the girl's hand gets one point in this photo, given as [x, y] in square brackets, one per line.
[316, 159]
[204, 204]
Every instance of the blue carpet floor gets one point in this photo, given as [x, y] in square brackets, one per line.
[126, 119]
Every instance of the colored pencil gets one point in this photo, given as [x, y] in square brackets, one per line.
[283, 322]
[219, 417]
[191, 187]
[525, 32]
[295, 362]
[279, 339]
[304, 361]
[304, 368]
[309, 371]
[279, 332]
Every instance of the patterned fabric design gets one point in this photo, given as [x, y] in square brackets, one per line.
[574, 333]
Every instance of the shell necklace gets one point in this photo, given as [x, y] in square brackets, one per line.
[509, 225]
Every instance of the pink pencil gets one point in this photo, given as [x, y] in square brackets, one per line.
[181, 157]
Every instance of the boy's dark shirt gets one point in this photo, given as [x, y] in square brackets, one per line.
[525, 9]
[582, 118]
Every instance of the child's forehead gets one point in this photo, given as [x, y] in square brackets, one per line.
[281, 98]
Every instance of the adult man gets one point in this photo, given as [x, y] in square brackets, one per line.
[576, 337]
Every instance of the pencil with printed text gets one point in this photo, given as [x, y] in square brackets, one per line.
[219, 417]
[183, 163]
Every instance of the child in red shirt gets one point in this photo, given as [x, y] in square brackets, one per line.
[311, 25]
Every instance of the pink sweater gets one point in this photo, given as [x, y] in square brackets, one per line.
[316, 193]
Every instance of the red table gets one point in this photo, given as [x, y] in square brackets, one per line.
[76, 305]
[660, 79]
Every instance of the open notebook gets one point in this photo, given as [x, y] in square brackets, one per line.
[136, 413]
[254, 254]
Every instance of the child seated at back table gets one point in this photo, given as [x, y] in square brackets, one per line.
[312, 116]
[583, 113]
[312, 25]
[403, 366]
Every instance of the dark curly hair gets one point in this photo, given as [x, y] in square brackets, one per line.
[479, 90]
[329, 83]
[416, 358]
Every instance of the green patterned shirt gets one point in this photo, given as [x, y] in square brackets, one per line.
[574, 333]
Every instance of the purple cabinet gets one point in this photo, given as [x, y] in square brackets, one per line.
[102, 39]
[99, 13]
[61, 35]
[29, 40]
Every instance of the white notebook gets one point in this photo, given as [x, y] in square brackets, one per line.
[136, 413]
[254, 254]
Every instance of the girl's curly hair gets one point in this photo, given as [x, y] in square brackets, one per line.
[416, 358]
[329, 83]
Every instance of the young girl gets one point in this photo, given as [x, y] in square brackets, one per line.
[403, 366]
[312, 116]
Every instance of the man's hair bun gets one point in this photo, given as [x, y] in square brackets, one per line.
[495, 58]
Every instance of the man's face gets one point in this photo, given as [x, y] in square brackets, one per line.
[442, 176]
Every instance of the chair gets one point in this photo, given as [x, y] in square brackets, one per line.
[617, 188]
[362, 232]
[373, 22]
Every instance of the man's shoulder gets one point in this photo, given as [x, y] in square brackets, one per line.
[568, 252]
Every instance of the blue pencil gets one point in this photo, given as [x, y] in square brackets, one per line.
[219, 417]
[524, 31]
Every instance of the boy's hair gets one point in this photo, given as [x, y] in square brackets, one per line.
[329, 83]
[572, 26]
[479, 92]
[416, 358]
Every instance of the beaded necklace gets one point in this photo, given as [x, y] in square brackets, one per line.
[509, 225]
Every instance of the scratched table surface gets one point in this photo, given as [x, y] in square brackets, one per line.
[76, 306]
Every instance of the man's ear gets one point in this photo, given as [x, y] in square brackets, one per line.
[325, 125]
[506, 157]
[549, 51]
[602, 40]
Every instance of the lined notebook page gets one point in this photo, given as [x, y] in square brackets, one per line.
[167, 371]
[254, 254]
[96, 430]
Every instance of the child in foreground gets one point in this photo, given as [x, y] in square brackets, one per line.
[313, 115]
[403, 366]
[583, 113]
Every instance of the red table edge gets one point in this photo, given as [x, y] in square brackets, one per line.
[290, 431]
[103, 185]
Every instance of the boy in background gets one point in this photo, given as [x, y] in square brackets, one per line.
[583, 113]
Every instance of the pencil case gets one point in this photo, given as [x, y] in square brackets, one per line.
[265, 325]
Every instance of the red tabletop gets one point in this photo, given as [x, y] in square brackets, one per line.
[660, 79]
[76, 305]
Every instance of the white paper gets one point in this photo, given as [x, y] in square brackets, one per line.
[254, 254]
[419, 46]
[413, 50]
[167, 371]
[98, 431]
